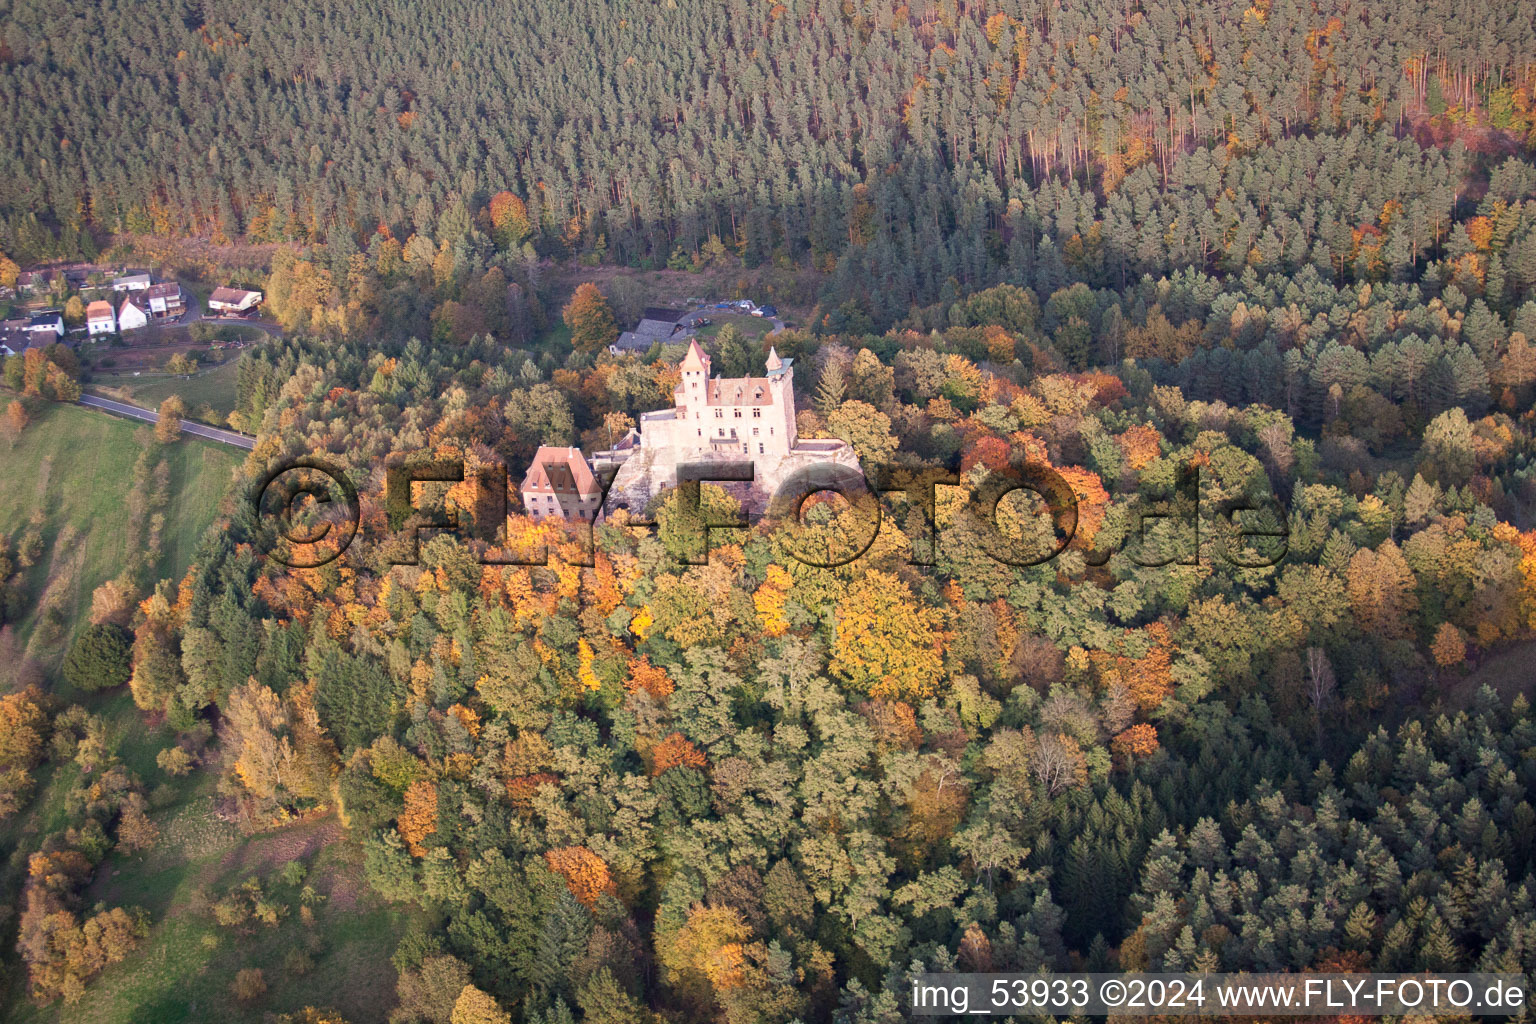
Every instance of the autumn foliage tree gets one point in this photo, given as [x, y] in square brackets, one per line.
[418, 819]
[168, 426]
[887, 645]
[589, 318]
[675, 751]
[584, 872]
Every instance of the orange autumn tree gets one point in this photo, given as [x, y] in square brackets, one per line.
[887, 644]
[1139, 740]
[1142, 446]
[509, 220]
[589, 318]
[650, 678]
[584, 872]
[674, 751]
[1149, 678]
[419, 817]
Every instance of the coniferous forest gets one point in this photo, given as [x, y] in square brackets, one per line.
[1278, 257]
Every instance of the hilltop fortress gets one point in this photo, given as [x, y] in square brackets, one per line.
[742, 419]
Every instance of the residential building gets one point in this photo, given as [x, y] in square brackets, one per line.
[233, 300]
[560, 485]
[165, 300]
[131, 283]
[100, 319]
[132, 314]
[47, 320]
[14, 337]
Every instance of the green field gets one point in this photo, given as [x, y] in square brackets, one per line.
[214, 387]
[183, 969]
[76, 465]
[751, 327]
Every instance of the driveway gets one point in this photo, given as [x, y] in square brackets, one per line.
[195, 312]
[228, 437]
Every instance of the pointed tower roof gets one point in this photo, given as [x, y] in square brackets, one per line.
[774, 362]
[695, 359]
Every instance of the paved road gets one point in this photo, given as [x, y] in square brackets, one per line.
[228, 437]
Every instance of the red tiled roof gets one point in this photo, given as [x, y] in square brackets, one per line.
[740, 391]
[560, 469]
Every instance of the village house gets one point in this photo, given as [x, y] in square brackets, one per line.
[100, 319]
[47, 320]
[233, 301]
[14, 337]
[132, 314]
[165, 300]
[560, 485]
[131, 283]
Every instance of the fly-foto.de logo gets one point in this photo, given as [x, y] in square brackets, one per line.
[308, 512]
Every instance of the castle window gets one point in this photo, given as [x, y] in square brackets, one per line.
[757, 414]
[756, 431]
[759, 449]
[738, 414]
[719, 413]
[701, 432]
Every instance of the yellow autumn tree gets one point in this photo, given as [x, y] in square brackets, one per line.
[1381, 589]
[476, 1007]
[769, 601]
[887, 644]
[706, 954]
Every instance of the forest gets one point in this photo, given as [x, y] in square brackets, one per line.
[1285, 250]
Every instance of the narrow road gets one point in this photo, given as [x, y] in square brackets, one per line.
[228, 437]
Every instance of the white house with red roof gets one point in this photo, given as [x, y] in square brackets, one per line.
[560, 485]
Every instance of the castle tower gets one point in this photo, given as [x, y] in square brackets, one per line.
[691, 397]
[781, 378]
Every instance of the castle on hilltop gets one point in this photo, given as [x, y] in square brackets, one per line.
[740, 419]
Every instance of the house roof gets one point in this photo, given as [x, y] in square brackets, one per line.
[99, 310]
[164, 290]
[133, 300]
[657, 329]
[671, 316]
[560, 469]
[629, 341]
[51, 318]
[132, 279]
[741, 391]
[233, 296]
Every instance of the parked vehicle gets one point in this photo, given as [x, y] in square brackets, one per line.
[767, 311]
